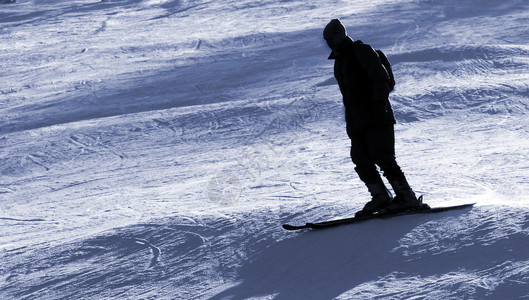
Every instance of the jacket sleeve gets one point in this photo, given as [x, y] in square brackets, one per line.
[377, 75]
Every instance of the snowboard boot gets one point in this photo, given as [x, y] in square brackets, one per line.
[380, 198]
[404, 196]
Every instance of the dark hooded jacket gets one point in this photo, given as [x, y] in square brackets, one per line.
[364, 83]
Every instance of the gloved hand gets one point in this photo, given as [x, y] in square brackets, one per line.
[379, 117]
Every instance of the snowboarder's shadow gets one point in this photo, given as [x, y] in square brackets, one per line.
[324, 264]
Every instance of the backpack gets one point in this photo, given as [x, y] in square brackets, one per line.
[385, 62]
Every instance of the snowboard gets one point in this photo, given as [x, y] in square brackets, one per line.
[424, 209]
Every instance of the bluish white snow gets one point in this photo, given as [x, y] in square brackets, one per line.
[151, 149]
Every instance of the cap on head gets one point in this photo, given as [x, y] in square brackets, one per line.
[334, 34]
[335, 27]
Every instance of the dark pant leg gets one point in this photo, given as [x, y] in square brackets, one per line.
[375, 146]
[365, 165]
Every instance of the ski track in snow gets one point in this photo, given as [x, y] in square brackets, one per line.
[151, 149]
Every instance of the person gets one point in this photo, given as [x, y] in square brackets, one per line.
[364, 83]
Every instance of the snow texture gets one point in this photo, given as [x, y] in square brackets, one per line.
[151, 149]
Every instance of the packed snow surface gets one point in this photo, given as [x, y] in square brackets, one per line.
[151, 149]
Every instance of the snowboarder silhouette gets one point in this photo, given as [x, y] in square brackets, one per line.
[365, 85]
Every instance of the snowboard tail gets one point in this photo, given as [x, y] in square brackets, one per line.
[424, 209]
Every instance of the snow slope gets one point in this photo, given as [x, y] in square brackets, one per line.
[152, 149]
